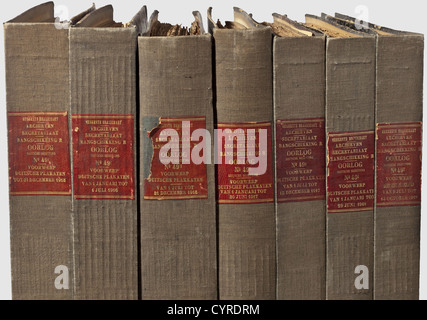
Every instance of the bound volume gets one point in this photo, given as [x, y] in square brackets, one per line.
[399, 91]
[350, 134]
[299, 112]
[38, 109]
[103, 105]
[244, 102]
[177, 198]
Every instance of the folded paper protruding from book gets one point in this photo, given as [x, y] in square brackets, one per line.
[80, 16]
[41, 13]
[158, 28]
[153, 18]
[155, 28]
[45, 13]
[365, 25]
[99, 18]
[349, 24]
[353, 22]
[211, 24]
[104, 18]
[359, 26]
[330, 28]
[140, 22]
[197, 27]
[282, 26]
[242, 18]
[242, 21]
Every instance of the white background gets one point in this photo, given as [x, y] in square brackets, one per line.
[406, 15]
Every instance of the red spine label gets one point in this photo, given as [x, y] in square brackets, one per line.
[181, 178]
[245, 173]
[39, 157]
[300, 165]
[399, 164]
[350, 181]
[103, 156]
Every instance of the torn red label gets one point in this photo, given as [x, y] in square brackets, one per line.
[175, 140]
[238, 181]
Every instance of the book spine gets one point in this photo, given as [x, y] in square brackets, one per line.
[299, 112]
[103, 103]
[247, 226]
[39, 160]
[178, 212]
[399, 94]
[350, 125]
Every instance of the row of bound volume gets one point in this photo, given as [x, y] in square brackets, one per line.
[333, 106]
